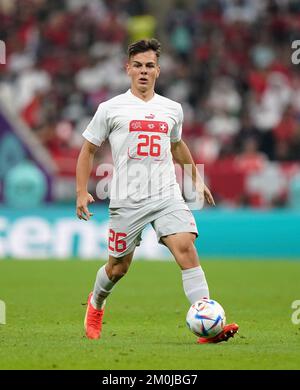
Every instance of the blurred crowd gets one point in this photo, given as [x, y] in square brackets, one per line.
[228, 62]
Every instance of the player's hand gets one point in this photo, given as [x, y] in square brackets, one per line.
[82, 210]
[208, 196]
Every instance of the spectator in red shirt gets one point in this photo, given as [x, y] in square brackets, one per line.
[250, 160]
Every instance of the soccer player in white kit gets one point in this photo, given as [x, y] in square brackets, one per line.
[144, 131]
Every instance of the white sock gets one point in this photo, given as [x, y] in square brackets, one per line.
[195, 284]
[102, 289]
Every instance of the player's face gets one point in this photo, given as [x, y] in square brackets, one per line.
[143, 70]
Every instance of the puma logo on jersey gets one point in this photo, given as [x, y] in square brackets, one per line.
[151, 116]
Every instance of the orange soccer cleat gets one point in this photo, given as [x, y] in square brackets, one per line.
[228, 331]
[93, 320]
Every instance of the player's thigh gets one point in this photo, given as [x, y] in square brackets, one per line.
[177, 230]
[125, 229]
[181, 245]
[177, 221]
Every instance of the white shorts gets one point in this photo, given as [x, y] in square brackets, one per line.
[126, 226]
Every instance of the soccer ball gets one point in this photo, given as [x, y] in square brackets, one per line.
[206, 318]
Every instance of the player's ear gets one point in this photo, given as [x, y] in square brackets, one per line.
[127, 66]
[158, 71]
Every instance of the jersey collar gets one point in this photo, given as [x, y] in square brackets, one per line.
[139, 99]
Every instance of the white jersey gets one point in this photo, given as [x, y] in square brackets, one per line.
[139, 133]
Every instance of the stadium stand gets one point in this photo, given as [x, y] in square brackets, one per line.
[236, 81]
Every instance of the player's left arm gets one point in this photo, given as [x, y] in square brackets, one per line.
[182, 155]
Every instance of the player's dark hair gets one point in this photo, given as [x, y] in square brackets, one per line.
[143, 46]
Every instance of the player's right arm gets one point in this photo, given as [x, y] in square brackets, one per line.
[83, 171]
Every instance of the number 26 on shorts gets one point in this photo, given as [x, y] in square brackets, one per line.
[115, 242]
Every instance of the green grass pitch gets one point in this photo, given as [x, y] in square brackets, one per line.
[144, 324]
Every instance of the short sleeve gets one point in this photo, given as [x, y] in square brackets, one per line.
[97, 130]
[177, 129]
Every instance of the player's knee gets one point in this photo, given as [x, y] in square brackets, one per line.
[186, 255]
[117, 272]
[186, 248]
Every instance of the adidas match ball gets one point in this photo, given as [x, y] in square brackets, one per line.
[206, 318]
